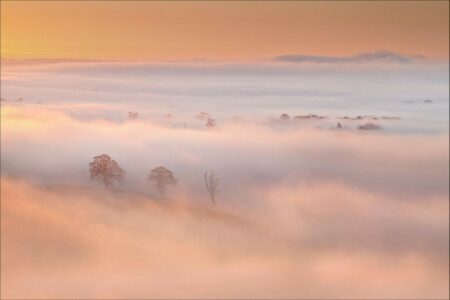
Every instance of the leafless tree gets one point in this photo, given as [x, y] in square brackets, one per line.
[162, 178]
[103, 168]
[212, 180]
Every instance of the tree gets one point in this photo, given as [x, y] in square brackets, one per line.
[212, 180]
[369, 126]
[285, 117]
[211, 123]
[162, 178]
[103, 168]
[132, 115]
[202, 115]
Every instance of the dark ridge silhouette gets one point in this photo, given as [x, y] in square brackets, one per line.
[365, 57]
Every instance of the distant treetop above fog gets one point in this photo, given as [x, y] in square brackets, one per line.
[133, 115]
[310, 116]
[369, 126]
[203, 116]
[210, 123]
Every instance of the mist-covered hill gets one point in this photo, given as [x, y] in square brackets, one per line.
[82, 242]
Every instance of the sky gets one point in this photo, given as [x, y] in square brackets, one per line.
[242, 30]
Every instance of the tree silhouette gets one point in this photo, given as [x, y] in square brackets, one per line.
[212, 180]
[162, 178]
[132, 115]
[210, 123]
[202, 115]
[103, 168]
[369, 126]
[285, 117]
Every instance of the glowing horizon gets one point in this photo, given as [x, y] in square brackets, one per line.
[220, 30]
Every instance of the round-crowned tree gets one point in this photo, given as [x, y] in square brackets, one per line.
[106, 170]
[162, 177]
[210, 123]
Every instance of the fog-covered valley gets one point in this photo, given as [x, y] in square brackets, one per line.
[304, 208]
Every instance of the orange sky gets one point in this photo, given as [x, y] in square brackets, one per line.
[220, 30]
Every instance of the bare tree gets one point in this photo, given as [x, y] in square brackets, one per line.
[212, 180]
[162, 178]
[103, 168]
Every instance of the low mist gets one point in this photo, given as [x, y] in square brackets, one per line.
[312, 202]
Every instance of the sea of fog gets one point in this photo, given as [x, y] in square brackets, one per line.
[304, 209]
[257, 92]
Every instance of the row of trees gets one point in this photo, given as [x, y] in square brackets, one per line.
[108, 171]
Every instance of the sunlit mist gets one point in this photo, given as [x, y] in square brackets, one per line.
[261, 170]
